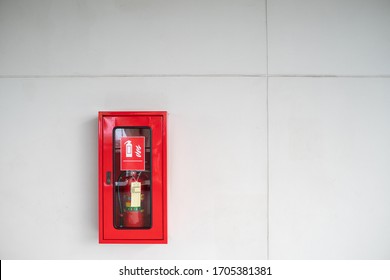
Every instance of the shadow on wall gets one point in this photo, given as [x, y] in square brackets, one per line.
[89, 184]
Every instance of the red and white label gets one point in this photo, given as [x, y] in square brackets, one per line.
[133, 153]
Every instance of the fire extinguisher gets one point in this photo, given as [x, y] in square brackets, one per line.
[131, 201]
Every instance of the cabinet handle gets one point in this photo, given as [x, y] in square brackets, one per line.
[108, 177]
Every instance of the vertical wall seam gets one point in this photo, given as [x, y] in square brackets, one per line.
[267, 109]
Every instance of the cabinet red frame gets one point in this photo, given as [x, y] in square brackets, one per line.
[158, 232]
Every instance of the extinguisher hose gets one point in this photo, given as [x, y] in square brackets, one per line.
[119, 201]
[119, 195]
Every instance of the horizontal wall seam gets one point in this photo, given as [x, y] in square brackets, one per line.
[189, 76]
[131, 76]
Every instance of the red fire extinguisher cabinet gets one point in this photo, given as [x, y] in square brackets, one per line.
[132, 177]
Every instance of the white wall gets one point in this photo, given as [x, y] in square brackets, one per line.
[281, 106]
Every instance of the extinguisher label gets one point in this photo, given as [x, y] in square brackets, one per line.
[135, 194]
[133, 153]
